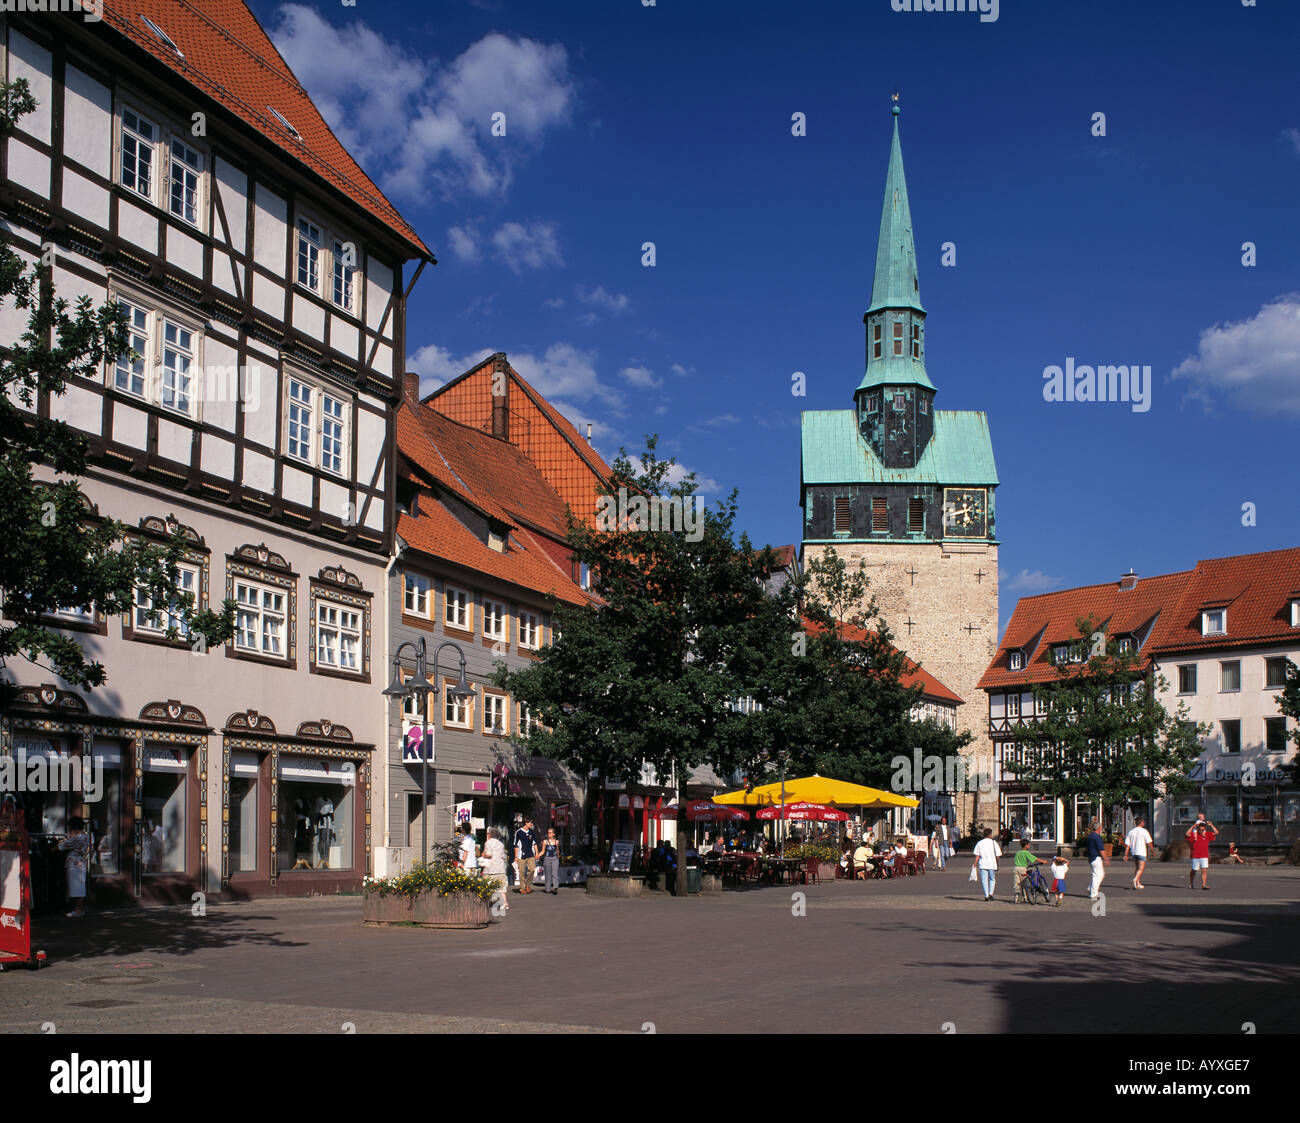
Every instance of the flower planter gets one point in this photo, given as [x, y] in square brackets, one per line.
[826, 870]
[426, 909]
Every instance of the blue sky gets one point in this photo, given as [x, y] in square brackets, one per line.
[672, 124]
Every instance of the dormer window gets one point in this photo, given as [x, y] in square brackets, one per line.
[1017, 660]
[496, 541]
[1126, 646]
[1214, 622]
[1295, 613]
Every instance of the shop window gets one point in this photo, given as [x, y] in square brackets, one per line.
[1221, 808]
[242, 840]
[165, 809]
[104, 815]
[315, 813]
[41, 760]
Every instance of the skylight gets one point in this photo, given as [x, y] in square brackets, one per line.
[285, 122]
[162, 36]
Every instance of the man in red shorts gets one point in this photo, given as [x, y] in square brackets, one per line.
[1199, 836]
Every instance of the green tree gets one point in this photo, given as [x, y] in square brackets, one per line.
[683, 628]
[57, 553]
[1103, 731]
[1288, 703]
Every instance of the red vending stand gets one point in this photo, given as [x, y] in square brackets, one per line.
[15, 890]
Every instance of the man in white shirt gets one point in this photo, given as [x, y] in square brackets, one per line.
[987, 853]
[1138, 841]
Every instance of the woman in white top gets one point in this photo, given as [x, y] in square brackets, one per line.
[494, 865]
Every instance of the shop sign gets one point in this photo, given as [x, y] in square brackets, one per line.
[638, 803]
[615, 785]
[478, 785]
[411, 745]
[623, 801]
[328, 771]
[464, 811]
[165, 760]
[1247, 774]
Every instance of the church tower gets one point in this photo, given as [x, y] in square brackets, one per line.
[910, 489]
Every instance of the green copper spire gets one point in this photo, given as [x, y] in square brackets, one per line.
[896, 284]
[895, 318]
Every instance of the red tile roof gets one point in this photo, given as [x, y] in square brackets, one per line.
[1256, 589]
[228, 57]
[571, 466]
[913, 673]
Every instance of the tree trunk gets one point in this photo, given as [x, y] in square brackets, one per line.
[681, 833]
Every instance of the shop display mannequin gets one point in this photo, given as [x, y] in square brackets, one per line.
[324, 831]
[301, 836]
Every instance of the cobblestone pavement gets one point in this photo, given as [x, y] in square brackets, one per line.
[914, 956]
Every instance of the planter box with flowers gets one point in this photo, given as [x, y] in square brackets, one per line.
[436, 896]
[827, 857]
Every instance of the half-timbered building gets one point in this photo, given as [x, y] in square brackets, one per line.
[174, 165]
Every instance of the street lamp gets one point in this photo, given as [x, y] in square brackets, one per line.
[419, 685]
[783, 755]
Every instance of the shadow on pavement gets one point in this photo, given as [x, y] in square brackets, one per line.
[132, 932]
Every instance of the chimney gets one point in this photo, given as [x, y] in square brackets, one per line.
[589, 432]
[1128, 581]
[411, 388]
[500, 397]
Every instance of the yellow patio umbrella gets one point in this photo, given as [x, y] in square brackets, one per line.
[818, 789]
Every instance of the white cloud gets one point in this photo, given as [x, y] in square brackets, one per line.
[680, 370]
[1292, 137]
[1251, 362]
[531, 245]
[435, 365]
[1027, 582]
[417, 124]
[564, 371]
[599, 297]
[721, 421]
[553, 302]
[642, 377]
[679, 472]
[464, 242]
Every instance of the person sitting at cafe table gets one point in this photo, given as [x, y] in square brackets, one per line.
[862, 859]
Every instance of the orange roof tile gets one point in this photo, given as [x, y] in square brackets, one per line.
[230, 58]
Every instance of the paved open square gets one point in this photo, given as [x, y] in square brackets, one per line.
[913, 956]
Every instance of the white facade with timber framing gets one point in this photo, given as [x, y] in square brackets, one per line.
[264, 276]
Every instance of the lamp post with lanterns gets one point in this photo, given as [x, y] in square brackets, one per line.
[420, 686]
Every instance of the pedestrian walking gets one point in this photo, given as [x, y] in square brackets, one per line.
[551, 862]
[526, 855]
[945, 843]
[1060, 867]
[494, 865]
[77, 847]
[1096, 858]
[1199, 835]
[1023, 860]
[467, 853]
[1138, 843]
[987, 853]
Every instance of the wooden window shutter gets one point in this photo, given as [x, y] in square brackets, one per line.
[879, 513]
[916, 515]
[841, 514]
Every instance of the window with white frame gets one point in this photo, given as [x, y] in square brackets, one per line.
[530, 630]
[160, 620]
[456, 607]
[1013, 705]
[418, 595]
[495, 617]
[1230, 676]
[494, 713]
[159, 163]
[345, 272]
[1295, 614]
[457, 712]
[1126, 645]
[316, 426]
[1214, 622]
[338, 637]
[309, 254]
[1017, 660]
[412, 705]
[526, 719]
[260, 619]
[325, 263]
[162, 360]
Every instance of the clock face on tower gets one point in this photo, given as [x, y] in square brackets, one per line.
[965, 512]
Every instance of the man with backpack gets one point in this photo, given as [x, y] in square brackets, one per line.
[526, 855]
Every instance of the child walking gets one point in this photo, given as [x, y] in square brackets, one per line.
[1060, 867]
[77, 845]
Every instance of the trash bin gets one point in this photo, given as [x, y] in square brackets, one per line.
[693, 879]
